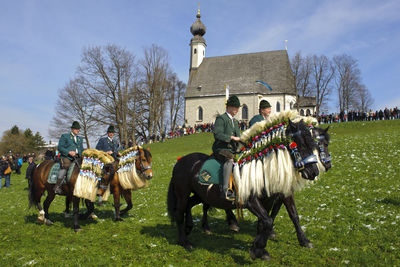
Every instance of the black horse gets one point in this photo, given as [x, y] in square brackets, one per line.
[184, 182]
[273, 203]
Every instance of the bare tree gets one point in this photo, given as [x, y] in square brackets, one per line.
[302, 69]
[347, 81]
[154, 87]
[73, 104]
[108, 75]
[364, 98]
[176, 92]
[323, 72]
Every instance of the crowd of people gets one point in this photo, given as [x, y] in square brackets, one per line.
[354, 115]
[9, 163]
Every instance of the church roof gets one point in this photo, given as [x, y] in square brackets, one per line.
[240, 72]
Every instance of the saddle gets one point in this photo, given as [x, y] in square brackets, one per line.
[212, 173]
[55, 169]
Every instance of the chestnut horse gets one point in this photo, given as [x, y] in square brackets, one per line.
[40, 184]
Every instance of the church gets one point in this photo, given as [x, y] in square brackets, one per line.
[252, 77]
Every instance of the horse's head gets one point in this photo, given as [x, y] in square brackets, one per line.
[322, 139]
[143, 163]
[106, 177]
[304, 158]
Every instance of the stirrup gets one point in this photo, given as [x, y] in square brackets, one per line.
[230, 195]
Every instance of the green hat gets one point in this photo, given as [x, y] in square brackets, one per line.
[111, 129]
[264, 104]
[75, 125]
[233, 101]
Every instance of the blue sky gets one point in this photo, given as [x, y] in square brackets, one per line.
[41, 41]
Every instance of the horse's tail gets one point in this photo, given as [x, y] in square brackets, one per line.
[31, 195]
[171, 202]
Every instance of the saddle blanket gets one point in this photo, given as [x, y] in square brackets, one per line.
[211, 172]
[53, 174]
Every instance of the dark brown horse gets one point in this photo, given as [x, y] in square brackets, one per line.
[273, 203]
[144, 170]
[40, 184]
[184, 182]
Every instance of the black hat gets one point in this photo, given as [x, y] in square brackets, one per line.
[233, 101]
[264, 104]
[75, 125]
[111, 129]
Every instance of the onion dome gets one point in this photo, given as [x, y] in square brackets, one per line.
[198, 27]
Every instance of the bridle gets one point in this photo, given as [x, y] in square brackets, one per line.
[324, 157]
[299, 162]
[142, 167]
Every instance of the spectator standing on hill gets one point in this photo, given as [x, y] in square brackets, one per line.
[29, 169]
[5, 171]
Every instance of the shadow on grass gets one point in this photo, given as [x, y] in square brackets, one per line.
[391, 201]
[221, 241]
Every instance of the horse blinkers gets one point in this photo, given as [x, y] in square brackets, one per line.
[143, 165]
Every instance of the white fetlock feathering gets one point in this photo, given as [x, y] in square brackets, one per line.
[259, 178]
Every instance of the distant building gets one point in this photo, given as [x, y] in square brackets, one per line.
[208, 77]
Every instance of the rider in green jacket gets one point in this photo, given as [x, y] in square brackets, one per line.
[227, 135]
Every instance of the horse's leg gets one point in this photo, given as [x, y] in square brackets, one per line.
[67, 206]
[292, 211]
[204, 220]
[127, 194]
[90, 208]
[182, 200]
[75, 201]
[264, 227]
[277, 204]
[231, 220]
[193, 201]
[117, 204]
[46, 205]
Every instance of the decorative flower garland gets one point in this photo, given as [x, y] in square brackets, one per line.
[269, 138]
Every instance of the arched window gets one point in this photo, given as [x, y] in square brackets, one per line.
[301, 112]
[308, 112]
[203, 52]
[200, 114]
[278, 106]
[245, 112]
[291, 105]
[195, 51]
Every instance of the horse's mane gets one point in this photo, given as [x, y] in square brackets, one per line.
[274, 172]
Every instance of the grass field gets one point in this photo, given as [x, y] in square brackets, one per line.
[352, 216]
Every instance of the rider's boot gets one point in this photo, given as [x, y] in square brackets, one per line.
[61, 175]
[228, 193]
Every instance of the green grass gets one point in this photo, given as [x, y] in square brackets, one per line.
[352, 216]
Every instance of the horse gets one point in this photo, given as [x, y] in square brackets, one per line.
[40, 184]
[184, 181]
[143, 166]
[273, 203]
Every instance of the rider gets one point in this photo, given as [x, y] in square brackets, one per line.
[226, 135]
[264, 112]
[69, 146]
[108, 144]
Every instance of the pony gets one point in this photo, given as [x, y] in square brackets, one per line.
[184, 182]
[143, 165]
[273, 203]
[40, 184]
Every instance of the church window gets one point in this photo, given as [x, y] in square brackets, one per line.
[308, 112]
[199, 88]
[203, 53]
[200, 114]
[291, 105]
[302, 112]
[278, 106]
[245, 112]
[195, 51]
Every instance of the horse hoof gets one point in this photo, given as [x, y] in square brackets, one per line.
[77, 229]
[207, 232]
[188, 247]
[234, 228]
[308, 245]
[48, 222]
[67, 215]
[252, 255]
[265, 257]
[93, 216]
[119, 220]
[272, 235]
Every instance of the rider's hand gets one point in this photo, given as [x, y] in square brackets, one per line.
[72, 153]
[109, 152]
[235, 138]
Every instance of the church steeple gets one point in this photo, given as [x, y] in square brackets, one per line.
[197, 43]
